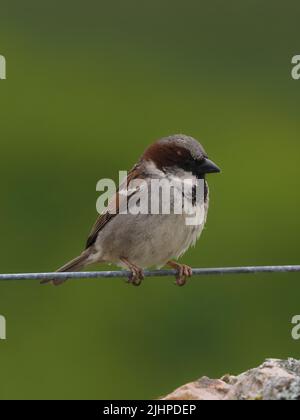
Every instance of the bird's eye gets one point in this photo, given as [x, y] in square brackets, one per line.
[179, 153]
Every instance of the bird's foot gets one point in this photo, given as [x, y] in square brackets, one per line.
[136, 275]
[183, 272]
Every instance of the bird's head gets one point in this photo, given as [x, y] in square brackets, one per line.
[180, 152]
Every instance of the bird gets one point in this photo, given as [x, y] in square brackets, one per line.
[138, 241]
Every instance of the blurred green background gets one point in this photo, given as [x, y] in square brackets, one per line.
[90, 85]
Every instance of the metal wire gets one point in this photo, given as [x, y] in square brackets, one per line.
[156, 273]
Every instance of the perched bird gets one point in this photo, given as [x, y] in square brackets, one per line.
[137, 241]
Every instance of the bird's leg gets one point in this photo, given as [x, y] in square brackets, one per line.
[136, 273]
[183, 272]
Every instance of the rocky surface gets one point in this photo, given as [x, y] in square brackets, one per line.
[273, 380]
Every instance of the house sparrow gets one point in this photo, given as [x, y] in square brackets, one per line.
[137, 241]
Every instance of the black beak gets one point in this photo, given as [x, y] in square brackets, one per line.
[209, 167]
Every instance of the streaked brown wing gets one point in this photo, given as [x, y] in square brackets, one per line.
[102, 220]
[116, 202]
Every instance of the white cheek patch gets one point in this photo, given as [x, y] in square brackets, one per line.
[153, 170]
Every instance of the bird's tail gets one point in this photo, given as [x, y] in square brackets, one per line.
[75, 265]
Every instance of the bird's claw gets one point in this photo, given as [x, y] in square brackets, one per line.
[136, 276]
[183, 273]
